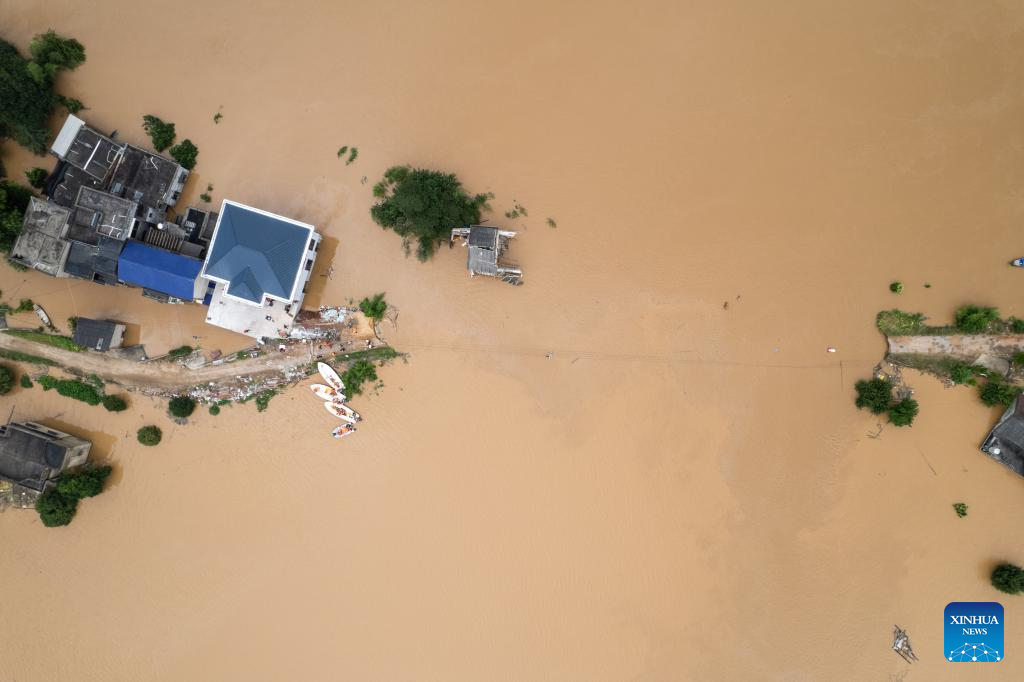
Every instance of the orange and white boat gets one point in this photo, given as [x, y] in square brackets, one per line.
[340, 411]
[325, 392]
[342, 431]
[342, 407]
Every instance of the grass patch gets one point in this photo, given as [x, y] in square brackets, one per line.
[72, 388]
[180, 351]
[355, 376]
[941, 366]
[55, 340]
[26, 357]
[263, 398]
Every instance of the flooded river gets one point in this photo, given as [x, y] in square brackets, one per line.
[641, 465]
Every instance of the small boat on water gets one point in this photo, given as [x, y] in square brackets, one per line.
[340, 411]
[1017, 263]
[325, 392]
[342, 407]
[342, 431]
[42, 314]
[330, 376]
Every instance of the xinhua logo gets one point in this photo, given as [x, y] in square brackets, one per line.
[974, 632]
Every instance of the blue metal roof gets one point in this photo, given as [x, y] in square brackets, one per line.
[159, 270]
[256, 253]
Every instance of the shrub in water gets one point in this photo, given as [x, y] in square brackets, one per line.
[181, 406]
[1008, 578]
[56, 509]
[896, 287]
[972, 319]
[6, 379]
[84, 483]
[149, 435]
[994, 392]
[114, 403]
[903, 412]
[873, 394]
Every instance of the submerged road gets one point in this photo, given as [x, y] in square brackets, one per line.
[159, 375]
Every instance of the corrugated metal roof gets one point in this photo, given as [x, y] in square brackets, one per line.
[162, 271]
[257, 253]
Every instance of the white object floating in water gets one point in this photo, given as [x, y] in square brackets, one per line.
[330, 376]
[342, 431]
[830, 349]
[340, 411]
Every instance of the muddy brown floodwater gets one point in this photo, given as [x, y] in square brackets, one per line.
[606, 474]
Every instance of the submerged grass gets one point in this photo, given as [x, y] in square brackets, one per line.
[26, 357]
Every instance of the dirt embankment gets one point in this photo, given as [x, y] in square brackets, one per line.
[163, 375]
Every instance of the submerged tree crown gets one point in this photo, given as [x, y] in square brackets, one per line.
[423, 206]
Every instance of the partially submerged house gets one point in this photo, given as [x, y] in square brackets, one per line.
[486, 246]
[260, 264]
[33, 456]
[42, 243]
[164, 275]
[99, 225]
[1005, 443]
[98, 335]
[154, 182]
[89, 159]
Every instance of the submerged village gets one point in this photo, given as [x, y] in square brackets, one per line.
[108, 213]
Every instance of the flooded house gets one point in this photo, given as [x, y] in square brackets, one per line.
[32, 455]
[42, 244]
[486, 245]
[98, 335]
[259, 265]
[99, 225]
[1005, 443]
[88, 158]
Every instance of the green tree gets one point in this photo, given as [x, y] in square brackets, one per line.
[359, 372]
[972, 319]
[6, 379]
[56, 509]
[181, 406]
[72, 388]
[160, 132]
[423, 206]
[1016, 325]
[114, 403]
[960, 508]
[214, 410]
[903, 412]
[149, 435]
[25, 103]
[874, 394]
[84, 483]
[52, 53]
[26, 381]
[994, 392]
[374, 308]
[961, 373]
[896, 287]
[14, 200]
[36, 177]
[1008, 578]
[180, 351]
[185, 153]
